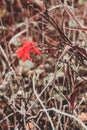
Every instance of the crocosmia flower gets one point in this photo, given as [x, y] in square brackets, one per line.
[27, 49]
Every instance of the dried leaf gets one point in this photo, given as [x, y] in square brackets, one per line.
[29, 126]
[39, 3]
[75, 92]
[83, 116]
[73, 98]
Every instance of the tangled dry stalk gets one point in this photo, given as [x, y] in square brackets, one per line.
[49, 92]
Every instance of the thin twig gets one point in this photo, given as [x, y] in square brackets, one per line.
[42, 103]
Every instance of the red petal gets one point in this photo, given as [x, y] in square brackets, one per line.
[27, 48]
[26, 55]
[33, 44]
[35, 50]
[21, 51]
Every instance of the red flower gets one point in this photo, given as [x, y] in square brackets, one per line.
[27, 48]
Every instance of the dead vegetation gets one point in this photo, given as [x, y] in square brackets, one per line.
[49, 92]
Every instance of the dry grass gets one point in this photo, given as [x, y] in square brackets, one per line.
[49, 92]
